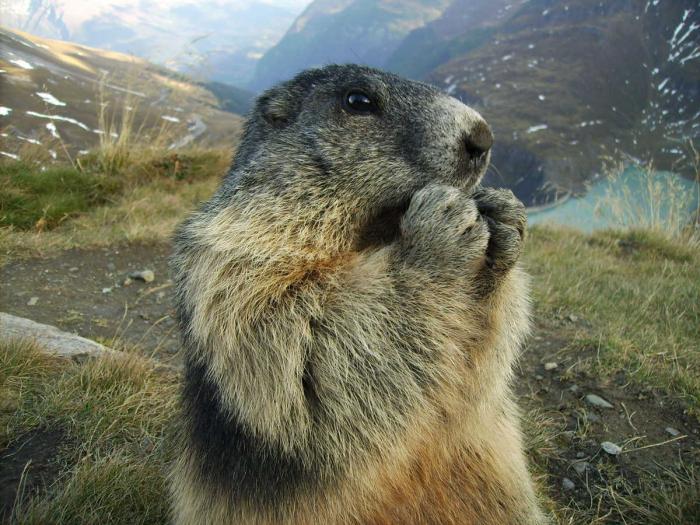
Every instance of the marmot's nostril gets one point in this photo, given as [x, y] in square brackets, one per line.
[479, 140]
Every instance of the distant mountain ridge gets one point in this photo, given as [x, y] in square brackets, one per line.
[337, 31]
[217, 41]
[565, 84]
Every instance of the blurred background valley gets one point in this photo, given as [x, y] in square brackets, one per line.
[572, 88]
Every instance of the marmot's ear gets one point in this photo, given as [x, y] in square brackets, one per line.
[279, 106]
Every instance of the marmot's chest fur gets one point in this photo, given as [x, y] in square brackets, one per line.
[351, 308]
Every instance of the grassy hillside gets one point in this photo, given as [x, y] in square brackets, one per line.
[61, 99]
[616, 314]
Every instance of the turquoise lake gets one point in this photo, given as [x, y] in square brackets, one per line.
[676, 200]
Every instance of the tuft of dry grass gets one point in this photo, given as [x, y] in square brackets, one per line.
[115, 414]
[652, 201]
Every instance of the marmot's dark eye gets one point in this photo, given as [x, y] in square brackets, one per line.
[358, 102]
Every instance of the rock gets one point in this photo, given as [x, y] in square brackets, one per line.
[574, 389]
[567, 484]
[592, 418]
[580, 467]
[673, 431]
[611, 448]
[539, 377]
[32, 301]
[146, 276]
[107, 290]
[598, 401]
[550, 366]
[127, 281]
[49, 338]
[73, 269]
[580, 455]
[571, 317]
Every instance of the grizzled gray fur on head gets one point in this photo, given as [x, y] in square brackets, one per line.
[413, 134]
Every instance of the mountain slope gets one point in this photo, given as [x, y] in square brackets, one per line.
[464, 25]
[220, 40]
[567, 83]
[66, 97]
[361, 31]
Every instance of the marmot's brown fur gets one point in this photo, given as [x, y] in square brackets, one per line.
[351, 309]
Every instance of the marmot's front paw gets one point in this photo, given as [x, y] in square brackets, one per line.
[507, 221]
[442, 224]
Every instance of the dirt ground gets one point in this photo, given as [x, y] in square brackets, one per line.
[655, 431]
[28, 465]
[83, 291]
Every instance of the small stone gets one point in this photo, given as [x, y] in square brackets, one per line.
[592, 418]
[32, 301]
[598, 401]
[580, 455]
[573, 318]
[611, 448]
[539, 377]
[106, 290]
[580, 467]
[673, 431]
[567, 484]
[550, 366]
[73, 269]
[574, 389]
[127, 281]
[146, 276]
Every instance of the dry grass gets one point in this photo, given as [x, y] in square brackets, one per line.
[123, 143]
[155, 194]
[652, 201]
[114, 414]
[636, 295]
[640, 291]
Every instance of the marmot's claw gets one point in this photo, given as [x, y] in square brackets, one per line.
[504, 246]
[443, 223]
[502, 206]
[507, 221]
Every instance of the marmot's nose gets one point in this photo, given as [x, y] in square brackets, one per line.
[478, 140]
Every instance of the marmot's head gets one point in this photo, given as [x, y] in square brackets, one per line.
[362, 137]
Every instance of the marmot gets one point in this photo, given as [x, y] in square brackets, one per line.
[351, 308]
